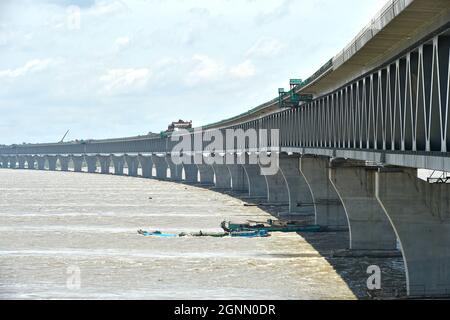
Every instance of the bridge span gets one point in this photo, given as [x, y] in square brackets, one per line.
[349, 157]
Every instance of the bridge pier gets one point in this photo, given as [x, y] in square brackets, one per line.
[328, 207]
[118, 162]
[91, 162]
[277, 190]
[64, 163]
[369, 226]
[146, 165]
[160, 166]
[105, 163]
[420, 214]
[176, 170]
[77, 163]
[239, 181]
[12, 162]
[299, 195]
[51, 162]
[132, 164]
[206, 174]
[190, 173]
[21, 161]
[257, 186]
[30, 162]
[41, 162]
[223, 177]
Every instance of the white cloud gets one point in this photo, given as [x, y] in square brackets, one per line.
[265, 47]
[244, 70]
[205, 69]
[125, 80]
[106, 8]
[122, 42]
[30, 66]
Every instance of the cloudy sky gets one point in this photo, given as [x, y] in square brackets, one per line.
[122, 68]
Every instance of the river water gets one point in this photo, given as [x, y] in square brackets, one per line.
[73, 236]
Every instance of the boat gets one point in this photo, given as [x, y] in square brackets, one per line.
[250, 234]
[269, 226]
[157, 234]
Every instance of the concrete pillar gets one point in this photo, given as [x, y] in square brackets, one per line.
[239, 181]
[160, 166]
[51, 162]
[91, 162]
[12, 162]
[277, 190]
[257, 186]
[105, 163]
[132, 164]
[206, 174]
[30, 162]
[146, 165]
[118, 162]
[299, 195]
[41, 162]
[64, 163]
[77, 163]
[21, 160]
[176, 170]
[223, 177]
[328, 207]
[190, 173]
[420, 215]
[369, 225]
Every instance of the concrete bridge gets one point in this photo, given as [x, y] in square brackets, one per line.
[349, 157]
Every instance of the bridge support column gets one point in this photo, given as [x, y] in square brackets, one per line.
[160, 166]
[222, 174]
[299, 195]
[328, 207]
[77, 163]
[132, 164]
[105, 163]
[369, 225]
[41, 162]
[277, 190]
[239, 181]
[64, 163]
[190, 173]
[21, 161]
[257, 186]
[91, 162]
[51, 162]
[146, 165]
[30, 162]
[420, 215]
[206, 174]
[176, 170]
[3, 162]
[12, 162]
[118, 162]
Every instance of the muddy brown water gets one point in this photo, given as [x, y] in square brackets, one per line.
[73, 236]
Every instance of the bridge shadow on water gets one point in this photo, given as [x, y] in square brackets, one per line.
[332, 245]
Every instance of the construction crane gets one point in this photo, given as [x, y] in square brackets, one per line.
[294, 98]
[62, 140]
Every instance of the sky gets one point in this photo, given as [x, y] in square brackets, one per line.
[118, 68]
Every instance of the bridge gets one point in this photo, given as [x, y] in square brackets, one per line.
[348, 157]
